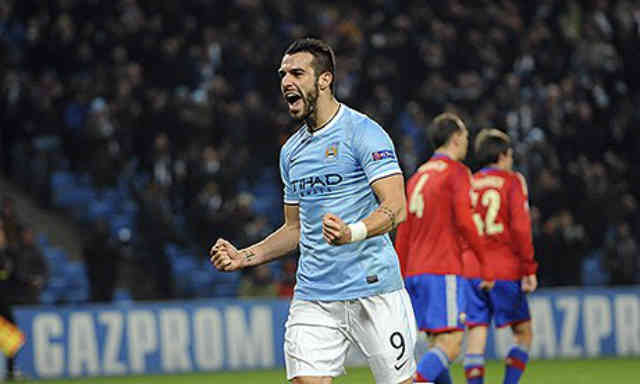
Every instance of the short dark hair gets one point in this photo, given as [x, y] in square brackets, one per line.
[489, 145]
[324, 60]
[442, 128]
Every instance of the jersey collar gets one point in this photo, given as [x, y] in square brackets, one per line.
[327, 126]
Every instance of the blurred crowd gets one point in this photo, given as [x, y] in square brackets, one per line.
[183, 97]
[23, 269]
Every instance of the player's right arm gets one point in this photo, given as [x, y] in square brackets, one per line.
[226, 258]
[521, 232]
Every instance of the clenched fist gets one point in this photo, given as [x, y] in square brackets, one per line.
[334, 230]
[225, 257]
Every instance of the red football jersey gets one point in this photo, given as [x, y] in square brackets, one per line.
[502, 215]
[439, 219]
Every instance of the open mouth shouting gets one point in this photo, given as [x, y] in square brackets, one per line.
[294, 100]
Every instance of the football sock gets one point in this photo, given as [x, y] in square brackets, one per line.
[433, 367]
[474, 368]
[444, 377]
[516, 362]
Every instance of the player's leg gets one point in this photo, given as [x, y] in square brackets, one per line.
[434, 365]
[315, 344]
[518, 354]
[479, 314]
[312, 380]
[439, 302]
[523, 333]
[512, 309]
[474, 355]
[384, 329]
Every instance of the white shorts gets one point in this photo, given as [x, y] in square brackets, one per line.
[319, 334]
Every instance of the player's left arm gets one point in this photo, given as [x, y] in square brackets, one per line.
[521, 231]
[375, 152]
[391, 212]
[393, 205]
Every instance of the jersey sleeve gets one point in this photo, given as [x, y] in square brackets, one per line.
[521, 225]
[463, 210]
[290, 191]
[374, 149]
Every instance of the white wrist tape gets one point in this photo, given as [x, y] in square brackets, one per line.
[358, 231]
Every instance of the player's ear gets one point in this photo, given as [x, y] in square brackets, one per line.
[324, 81]
[456, 137]
[503, 156]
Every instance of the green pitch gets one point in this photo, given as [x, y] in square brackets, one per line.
[618, 371]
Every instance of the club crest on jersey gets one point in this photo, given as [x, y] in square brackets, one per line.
[384, 154]
[331, 153]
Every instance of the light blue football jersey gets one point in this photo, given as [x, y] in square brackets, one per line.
[330, 171]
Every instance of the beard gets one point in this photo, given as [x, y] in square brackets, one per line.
[310, 100]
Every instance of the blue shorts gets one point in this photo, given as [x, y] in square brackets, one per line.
[505, 303]
[439, 301]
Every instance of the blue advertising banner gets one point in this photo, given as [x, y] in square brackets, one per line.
[573, 323]
[210, 335]
[152, 338]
